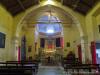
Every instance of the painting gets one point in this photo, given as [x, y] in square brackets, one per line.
[2, 40]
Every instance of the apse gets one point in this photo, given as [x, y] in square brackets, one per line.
[49, 25]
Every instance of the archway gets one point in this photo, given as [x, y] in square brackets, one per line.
[62, 10]
[50, 32]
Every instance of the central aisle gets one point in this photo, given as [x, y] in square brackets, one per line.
[50, 70]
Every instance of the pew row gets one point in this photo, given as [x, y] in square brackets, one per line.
[18, 68]
[82, 69]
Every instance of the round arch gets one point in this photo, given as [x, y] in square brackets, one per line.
[67, 11]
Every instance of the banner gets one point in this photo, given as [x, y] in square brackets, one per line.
[42, 42]
[19, 55]
[62, 42]
[93, 52]
[80, 53]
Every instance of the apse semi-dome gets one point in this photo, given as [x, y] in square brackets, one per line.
[49, 25]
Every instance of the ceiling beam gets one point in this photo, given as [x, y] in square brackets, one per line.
[50, 23]
[33, 26]
[20, 3]
[87, 4]
[76, 4]
[61, 1]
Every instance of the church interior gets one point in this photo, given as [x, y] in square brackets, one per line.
[49, 37]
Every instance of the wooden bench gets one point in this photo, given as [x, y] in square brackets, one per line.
[16, 68]
[79, 68]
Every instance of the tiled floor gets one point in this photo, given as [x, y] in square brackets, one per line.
[50, 70]
[58, 70]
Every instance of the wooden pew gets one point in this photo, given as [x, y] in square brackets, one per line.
[13, 70]
[16, 68]
[86, 68]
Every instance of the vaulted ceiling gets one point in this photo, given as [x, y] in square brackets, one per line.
[17, 6]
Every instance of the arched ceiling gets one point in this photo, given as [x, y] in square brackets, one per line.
[17, 6]
[32, 18]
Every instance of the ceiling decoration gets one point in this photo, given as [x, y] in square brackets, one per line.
[17, 6]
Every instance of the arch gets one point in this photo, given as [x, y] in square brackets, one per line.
[69, 13]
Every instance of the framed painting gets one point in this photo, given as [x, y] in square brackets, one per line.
[2, 40]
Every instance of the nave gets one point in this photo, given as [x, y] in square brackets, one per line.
[50, 70]
[63, 35]
[59, 70]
